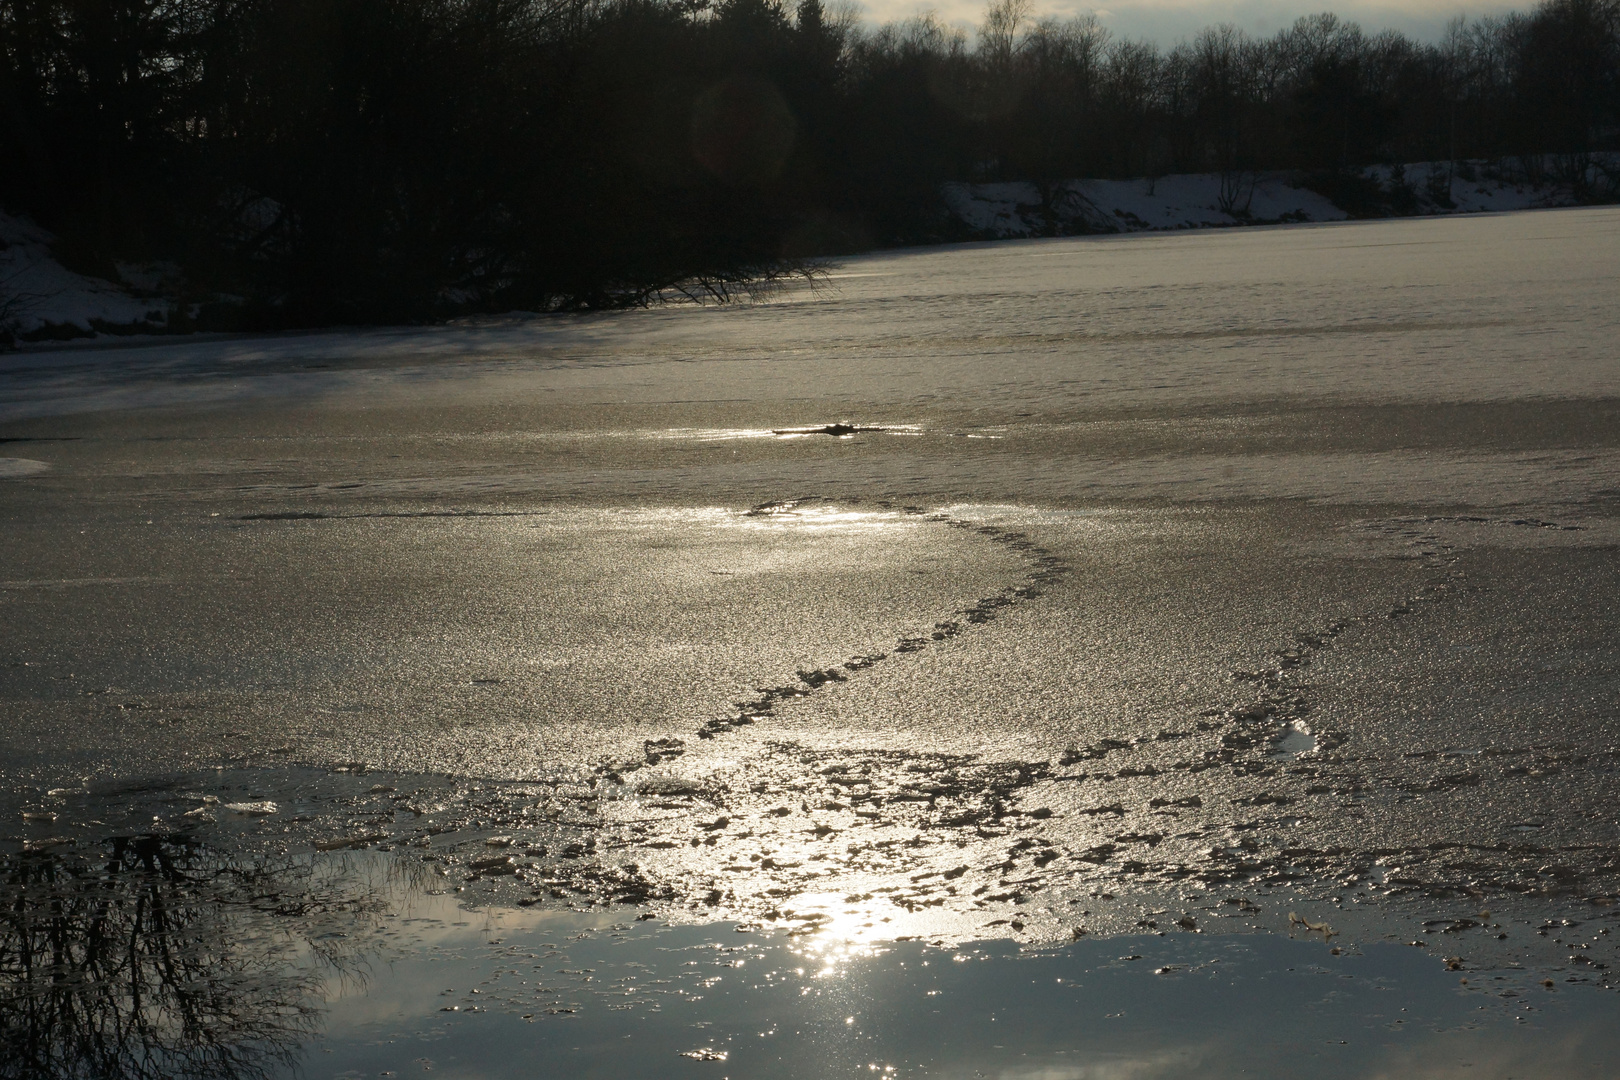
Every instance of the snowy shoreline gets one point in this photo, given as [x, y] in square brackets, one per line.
[41, 300]
[1005, 211]
[43, 303]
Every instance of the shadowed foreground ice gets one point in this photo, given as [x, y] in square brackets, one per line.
[1153, 596]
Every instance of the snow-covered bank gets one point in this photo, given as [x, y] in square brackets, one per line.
[42, 300]
[1214, 200]
[1191, 201]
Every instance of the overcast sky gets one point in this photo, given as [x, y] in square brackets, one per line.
[1167, 21]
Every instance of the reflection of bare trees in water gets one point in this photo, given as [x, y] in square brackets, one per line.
[168, 959]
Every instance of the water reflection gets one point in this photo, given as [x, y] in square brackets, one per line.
[160, 957]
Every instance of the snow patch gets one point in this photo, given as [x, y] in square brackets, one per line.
[1472, 187]
[1196, 200]
[41, 299]
[15, 468]
[1188, 201]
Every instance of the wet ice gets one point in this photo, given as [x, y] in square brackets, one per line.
[1275, 576]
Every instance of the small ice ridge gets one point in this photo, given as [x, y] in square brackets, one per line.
[839, 430]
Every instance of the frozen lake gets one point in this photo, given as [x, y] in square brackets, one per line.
[1215, 585]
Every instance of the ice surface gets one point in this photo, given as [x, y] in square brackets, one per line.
[1103, 520]
[1155, 584]
[1046, 333]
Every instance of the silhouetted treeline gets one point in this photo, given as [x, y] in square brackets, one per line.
[328, 160]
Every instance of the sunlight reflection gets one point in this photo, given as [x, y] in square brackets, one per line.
[816, 518]
[710, 434]
[779, 517]
[837, 933]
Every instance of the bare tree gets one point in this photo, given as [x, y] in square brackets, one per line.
[1223, 63]
[1004, 22]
